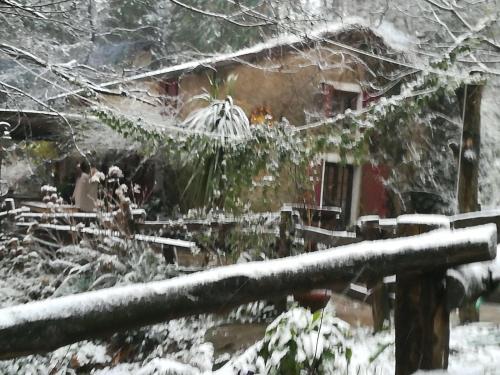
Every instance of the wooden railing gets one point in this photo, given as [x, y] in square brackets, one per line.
[420, 263]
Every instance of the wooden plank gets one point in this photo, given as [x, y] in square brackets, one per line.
[326, 236]
[112, 234]
[136, 213]
[46, 325]
[14, 212]
[37, 206]
[304, 206]
[197, 224]
[470, 219]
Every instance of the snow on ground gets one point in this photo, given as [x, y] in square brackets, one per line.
[180, 347]
[474, 349]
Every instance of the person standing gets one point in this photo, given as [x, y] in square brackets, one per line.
[85, 194]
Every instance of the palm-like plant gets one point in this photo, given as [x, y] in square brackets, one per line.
[221, 121]
[218, 128]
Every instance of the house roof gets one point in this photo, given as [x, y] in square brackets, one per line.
[386, 35]
[86, 130]
[34, 124]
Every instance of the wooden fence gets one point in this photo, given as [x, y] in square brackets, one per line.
[420, 263]
[465, 284]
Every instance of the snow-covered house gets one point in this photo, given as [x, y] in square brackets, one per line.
[301, 78]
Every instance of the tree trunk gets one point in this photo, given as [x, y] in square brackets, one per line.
[470, 102]
[470, 99]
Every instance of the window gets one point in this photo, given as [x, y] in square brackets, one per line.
[337, 189]
[336, 101]
[170, 92]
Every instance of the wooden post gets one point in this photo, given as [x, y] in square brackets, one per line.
[284, 242]
[379, 298]
[421, 318]
[4, 137]
[469, 98]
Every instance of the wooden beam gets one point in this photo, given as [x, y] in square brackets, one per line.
[465, 284]
[137, 214]
[305, 206]
[14, 212]
[111, 234]
[46, 325]
[325, 236]
[470, 219]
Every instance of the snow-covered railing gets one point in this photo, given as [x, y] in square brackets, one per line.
[138, 214]
[191, 224]
[466, 283]
[455, 221]
[463, 285]
[14, 212]
[305, 206]
[326, 236]
[45, 325]
[113, 234]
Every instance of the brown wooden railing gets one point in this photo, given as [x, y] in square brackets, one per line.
[420, 263]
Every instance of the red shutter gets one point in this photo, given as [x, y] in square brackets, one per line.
[170, 91]
[313, 191]
[374, 199]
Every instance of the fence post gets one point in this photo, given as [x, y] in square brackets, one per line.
[421, 317]
[284, 242]
[379, 298]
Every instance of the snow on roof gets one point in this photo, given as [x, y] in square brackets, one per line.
[34, 116]
[388, 34]
[47, 125]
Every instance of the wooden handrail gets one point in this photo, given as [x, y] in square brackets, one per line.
[46, 325]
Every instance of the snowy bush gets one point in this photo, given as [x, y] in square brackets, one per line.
[299, 342]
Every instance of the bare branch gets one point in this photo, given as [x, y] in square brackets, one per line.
[16, 5]
[228, 18]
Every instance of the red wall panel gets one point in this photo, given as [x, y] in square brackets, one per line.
[374, 200]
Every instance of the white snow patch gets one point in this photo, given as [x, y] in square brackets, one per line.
[158, 366]
[434, 220]
[394, 37]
